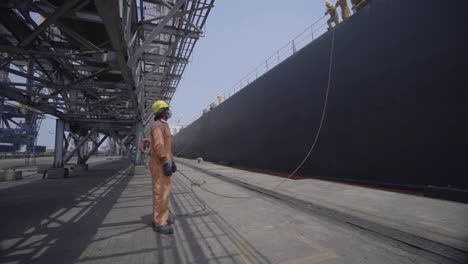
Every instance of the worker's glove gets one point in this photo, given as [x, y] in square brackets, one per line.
[167, 169]
[174, 167]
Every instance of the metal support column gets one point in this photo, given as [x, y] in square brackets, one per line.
[2, 101]
[113, 150]
[118, 149]
[139, 136]
[30, 121]
[82, 151]
[58, 153]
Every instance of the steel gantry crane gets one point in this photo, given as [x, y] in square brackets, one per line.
[97, 65]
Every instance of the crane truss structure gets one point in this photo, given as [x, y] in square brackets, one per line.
[97, 65]
[19, 126]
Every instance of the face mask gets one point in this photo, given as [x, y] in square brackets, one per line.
[169, 113]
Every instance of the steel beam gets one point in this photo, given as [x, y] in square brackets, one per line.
[88, 77]
[119, 141]
[113, 25]
[182, 15]
[46, 83]
[156, 77]
[155, 32]
[58, 70]
[25, 75]
[58, 153]
[23, 99]
[14, 23]
[93, 150]
[104, 121]
[67, 140]
[49, 21]
[2, 102]
[148, 57]
[80, 144]
[82, 152]
[47, 54]
[161, 59]
[172, 31]
[48, 9]
[77, 37]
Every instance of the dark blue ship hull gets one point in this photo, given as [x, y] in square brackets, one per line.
[397, 107]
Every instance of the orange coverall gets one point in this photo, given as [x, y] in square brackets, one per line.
[161, 139]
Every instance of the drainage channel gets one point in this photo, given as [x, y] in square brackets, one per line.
[428, 248]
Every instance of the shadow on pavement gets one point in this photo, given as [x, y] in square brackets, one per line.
[52, 221]
[203, 237]
[104, 216]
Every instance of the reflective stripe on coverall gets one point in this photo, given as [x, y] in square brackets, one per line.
[161, 139]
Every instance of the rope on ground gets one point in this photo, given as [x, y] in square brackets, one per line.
[204, 206]
[199, 185]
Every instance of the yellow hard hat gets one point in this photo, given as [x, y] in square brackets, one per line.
[158, 105]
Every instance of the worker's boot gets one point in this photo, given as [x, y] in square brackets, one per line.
[165, 229]
[171, 220]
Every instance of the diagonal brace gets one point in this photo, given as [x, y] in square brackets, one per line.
[155, 33]
[49, 21]
[160, 59]
[78, 146]
[118, 140]
[96, 146]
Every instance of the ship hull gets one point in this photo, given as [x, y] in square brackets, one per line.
[396, 111]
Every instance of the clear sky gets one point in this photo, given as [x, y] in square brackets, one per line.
[240, 35]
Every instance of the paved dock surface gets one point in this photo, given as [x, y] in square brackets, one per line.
[436, 226]
[29, 172]
[20, 162]
[104, 216]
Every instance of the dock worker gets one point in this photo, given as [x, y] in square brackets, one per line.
[331, 10]
[161, 166]
[345, 12]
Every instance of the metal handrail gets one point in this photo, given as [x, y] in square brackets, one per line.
[307, 36]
